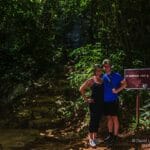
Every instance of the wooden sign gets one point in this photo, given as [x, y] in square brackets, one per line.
[137, 78]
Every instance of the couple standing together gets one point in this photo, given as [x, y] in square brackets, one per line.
[103, 100]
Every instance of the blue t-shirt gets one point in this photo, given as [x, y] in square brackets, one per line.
[111, 81]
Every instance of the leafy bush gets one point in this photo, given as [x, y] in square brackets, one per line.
[84, 58]
[144, 110]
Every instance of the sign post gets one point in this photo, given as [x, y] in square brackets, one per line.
[137, 79]
[137, 108]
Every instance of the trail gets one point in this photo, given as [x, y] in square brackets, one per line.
[63, 140]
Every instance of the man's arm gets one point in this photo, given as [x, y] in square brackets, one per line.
[123, 86]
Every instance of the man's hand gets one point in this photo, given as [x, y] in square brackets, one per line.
[115, 91]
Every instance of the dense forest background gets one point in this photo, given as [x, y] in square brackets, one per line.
[48, 48]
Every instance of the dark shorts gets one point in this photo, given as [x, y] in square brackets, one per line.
[111, 108]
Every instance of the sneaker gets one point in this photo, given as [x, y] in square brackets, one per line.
[111, 142]
[108, 138]
[92, 143]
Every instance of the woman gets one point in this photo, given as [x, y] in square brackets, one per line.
[95, 102]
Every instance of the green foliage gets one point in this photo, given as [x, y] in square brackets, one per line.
[27, 41]
[84, 59]
[138, 63]
[128, 103]
[118, 59]
[144, 110]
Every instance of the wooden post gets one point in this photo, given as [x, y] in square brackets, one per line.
[137, 108]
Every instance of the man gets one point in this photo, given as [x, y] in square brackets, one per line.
[113, 84]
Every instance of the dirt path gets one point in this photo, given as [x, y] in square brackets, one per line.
[65, 139]
[16, 139]
[62, 140]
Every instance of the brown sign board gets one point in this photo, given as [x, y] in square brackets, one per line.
[137, 78]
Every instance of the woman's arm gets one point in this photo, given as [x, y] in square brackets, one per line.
[83, 88]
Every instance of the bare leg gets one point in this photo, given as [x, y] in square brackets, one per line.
[94, 135]
[110, 123]
[116, 125]
[91, 136]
